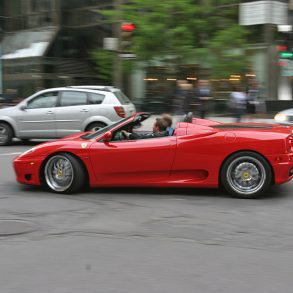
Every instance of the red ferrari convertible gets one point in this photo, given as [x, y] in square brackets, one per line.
[243, 158]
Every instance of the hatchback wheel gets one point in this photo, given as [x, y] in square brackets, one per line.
[6, 134]
[95, 126]
[63, 173]
[246, 175]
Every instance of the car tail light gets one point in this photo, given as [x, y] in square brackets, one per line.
[120, 111]
[290, 143]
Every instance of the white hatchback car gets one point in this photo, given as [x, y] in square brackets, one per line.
[58, 112]
[285, 117]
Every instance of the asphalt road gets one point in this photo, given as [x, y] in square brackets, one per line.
[142, 240]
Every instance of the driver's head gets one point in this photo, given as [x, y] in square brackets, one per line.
[159, 125]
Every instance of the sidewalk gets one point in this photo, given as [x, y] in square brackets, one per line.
[147, 125]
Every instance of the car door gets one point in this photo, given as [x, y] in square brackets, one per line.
[37, 118]
[133, 162]
[72, 110]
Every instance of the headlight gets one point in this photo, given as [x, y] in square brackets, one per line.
[281, 117]
[28, 152]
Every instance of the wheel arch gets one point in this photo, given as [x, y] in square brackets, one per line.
[93, 122]
[95, 119]
[10, 125]
[243, 151]
[41, 173]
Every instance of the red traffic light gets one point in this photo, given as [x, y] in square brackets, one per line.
[282, 48]
[127, 27]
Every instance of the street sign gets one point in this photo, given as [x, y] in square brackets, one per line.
[261, 12]
[110, 44]
[285, 55]
[287, 68]
[284, 28]
[127, 56]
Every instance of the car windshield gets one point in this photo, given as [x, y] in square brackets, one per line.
[103, 130]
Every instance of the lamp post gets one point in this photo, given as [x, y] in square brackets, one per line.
[1, 71]
[117, 66]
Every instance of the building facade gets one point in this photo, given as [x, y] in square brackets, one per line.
[48, 43]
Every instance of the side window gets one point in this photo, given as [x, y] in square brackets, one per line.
[96, 98]
[70, 98]
[46, 100]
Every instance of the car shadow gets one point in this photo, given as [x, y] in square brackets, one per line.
[158, 191]
[275, 192]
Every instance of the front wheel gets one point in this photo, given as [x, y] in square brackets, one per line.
[246, 175]
[6, 134]
[63, 173]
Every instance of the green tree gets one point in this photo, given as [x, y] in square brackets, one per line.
[174, 32]
[103, 64]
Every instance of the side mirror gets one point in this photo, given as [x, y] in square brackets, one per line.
[23, 107]
[107, 136]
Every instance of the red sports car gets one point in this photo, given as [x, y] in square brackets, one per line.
[243, 158]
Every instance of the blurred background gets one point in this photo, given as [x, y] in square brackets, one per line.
[160, 53]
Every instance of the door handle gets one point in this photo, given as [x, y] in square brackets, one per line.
[84, 110]
[50, 113]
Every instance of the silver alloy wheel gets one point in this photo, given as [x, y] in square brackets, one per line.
[95, 128]
[59, 173]
[246, 175]
[3, 134]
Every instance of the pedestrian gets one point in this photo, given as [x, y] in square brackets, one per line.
[238, 102]
[204, 97]
[182, 97]
[252, 100]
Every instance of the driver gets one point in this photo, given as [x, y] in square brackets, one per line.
[159, 130]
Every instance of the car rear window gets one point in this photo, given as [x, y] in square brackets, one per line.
[123, 99]
[96, 98]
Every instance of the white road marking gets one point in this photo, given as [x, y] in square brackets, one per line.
[10, 154]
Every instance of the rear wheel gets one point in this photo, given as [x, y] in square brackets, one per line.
[6, 134]
[95, 126]
[63, 173]
[246, 175]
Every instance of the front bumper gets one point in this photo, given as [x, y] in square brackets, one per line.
[27, 170]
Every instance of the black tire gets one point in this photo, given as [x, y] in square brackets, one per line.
[6, 134]
[95, 126]
[246, 175]
[63, 173]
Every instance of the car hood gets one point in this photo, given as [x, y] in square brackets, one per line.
[76, 136]
[72, 142]
[287, 112]
[6, 110]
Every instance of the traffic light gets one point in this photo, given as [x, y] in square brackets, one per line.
[126, 35]
[127, 27]
[285, 47]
